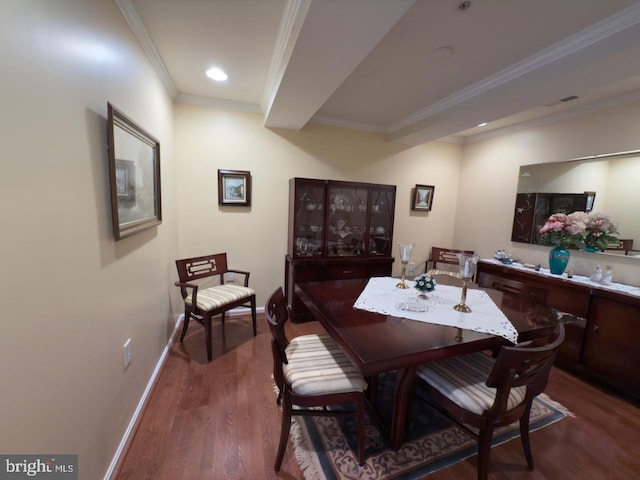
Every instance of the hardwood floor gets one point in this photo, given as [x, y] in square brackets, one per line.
[219, 420]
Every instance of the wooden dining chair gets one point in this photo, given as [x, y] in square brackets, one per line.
[486, 392]
[202, 302]
[447, 256]
[311, 371]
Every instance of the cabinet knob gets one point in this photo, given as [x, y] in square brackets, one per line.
[595, 329]
[346, 271]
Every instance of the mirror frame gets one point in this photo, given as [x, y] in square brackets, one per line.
[128, 190]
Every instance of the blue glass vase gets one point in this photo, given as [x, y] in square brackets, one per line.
[592, 249]
[558, 260]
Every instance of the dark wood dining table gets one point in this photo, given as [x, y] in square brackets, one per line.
[378, 343]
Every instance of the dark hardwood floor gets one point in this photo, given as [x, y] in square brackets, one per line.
[219, 420]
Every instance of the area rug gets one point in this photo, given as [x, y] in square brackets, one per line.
[324, 446]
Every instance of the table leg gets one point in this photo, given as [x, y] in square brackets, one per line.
[401, 398]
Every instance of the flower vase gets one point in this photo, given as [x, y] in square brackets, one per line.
[591, 248]
[558, 260]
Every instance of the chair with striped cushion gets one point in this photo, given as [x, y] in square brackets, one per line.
[202, 302]
[448, 256]
[311, 371]
[486, 392]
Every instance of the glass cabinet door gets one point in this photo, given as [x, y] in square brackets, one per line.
[381, 228]
[347, 220]
[309, 219]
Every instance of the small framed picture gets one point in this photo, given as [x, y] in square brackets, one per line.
[422, 197]
[590, 199]
[234, 188]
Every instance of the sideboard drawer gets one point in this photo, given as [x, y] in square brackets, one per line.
[342, 272]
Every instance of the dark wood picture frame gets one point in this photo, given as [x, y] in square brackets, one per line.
[422, 199]
[134, 171]
[589, 200]
[234, 188]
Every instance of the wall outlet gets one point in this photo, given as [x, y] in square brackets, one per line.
[127, 353]
[229, 277]
[412, 267]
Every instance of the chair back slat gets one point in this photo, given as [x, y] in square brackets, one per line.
[195, 268]
[276, 311]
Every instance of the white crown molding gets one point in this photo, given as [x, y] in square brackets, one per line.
[603, 104]
[131, 16]
[292, 19]
[342, 123]
[616, 23]
[218, 103]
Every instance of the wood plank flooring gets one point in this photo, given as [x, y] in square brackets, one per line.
[219, 420]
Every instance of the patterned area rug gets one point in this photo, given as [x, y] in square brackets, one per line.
[324, 446]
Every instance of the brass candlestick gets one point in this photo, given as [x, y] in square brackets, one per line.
[462, 306]
[405, 254]
[467, 265]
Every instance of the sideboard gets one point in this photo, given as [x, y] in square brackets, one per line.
[602, 322]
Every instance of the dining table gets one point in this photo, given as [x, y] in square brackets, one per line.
[378, 343]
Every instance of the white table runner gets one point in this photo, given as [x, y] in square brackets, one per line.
[381, 296]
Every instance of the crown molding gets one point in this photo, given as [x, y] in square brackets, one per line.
[218, 103]
[616, 23]
[131, 16]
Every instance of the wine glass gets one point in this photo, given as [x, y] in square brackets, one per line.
[405, 255]
[467, 265]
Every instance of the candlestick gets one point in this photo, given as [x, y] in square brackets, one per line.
[405, 255]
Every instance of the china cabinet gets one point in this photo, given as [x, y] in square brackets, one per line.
[601, 325]
[337, 230]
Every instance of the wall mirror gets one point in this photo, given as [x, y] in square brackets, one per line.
[603, 183]
[134, 170]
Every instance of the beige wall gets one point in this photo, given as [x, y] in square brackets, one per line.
[256, 238]
[490, 169]
[70, 295]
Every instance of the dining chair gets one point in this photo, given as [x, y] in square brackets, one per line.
[311, 371]
[447, 256]
[202, 302]
[486, 392]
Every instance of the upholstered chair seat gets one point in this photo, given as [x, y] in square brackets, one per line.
[216, 297]
[463, 381]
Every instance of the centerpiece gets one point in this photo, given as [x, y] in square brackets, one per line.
[425, 283]
[562, 231]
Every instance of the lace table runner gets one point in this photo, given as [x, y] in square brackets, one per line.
[381, 296]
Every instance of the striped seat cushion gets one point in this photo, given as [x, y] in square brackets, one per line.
[317, 365]
[218, 296]
[462, 380]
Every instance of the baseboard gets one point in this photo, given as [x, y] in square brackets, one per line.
[141, 404]
[147, 391]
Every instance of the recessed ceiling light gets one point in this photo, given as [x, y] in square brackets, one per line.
[482, 124]
[217, 74]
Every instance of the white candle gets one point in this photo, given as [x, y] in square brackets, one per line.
[466, 269]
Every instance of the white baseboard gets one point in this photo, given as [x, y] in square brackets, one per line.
[151, 383]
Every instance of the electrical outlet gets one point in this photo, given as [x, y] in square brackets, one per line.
[127, 353]
[412, 267]
[229, 277]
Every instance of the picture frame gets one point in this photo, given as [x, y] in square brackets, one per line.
[134, 173]
[234, 188]
[589, 200]
[422, 199]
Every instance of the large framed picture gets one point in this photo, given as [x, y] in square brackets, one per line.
[422, 197]
[134, 171]
[234, 188]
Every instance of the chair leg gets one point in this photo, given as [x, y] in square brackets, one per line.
[524, 436]
[185, 325]
[284, 432]
[484, 449]
[207, 335]
[361, 426]
[253, 314]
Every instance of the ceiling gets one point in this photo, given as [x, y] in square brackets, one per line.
[416, 70]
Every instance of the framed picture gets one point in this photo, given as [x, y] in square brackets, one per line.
[134, 171]
[422, 197]
[234, 188]
[589, 200]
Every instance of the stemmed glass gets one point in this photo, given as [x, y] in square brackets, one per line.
[405, 255]
[467, 265]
